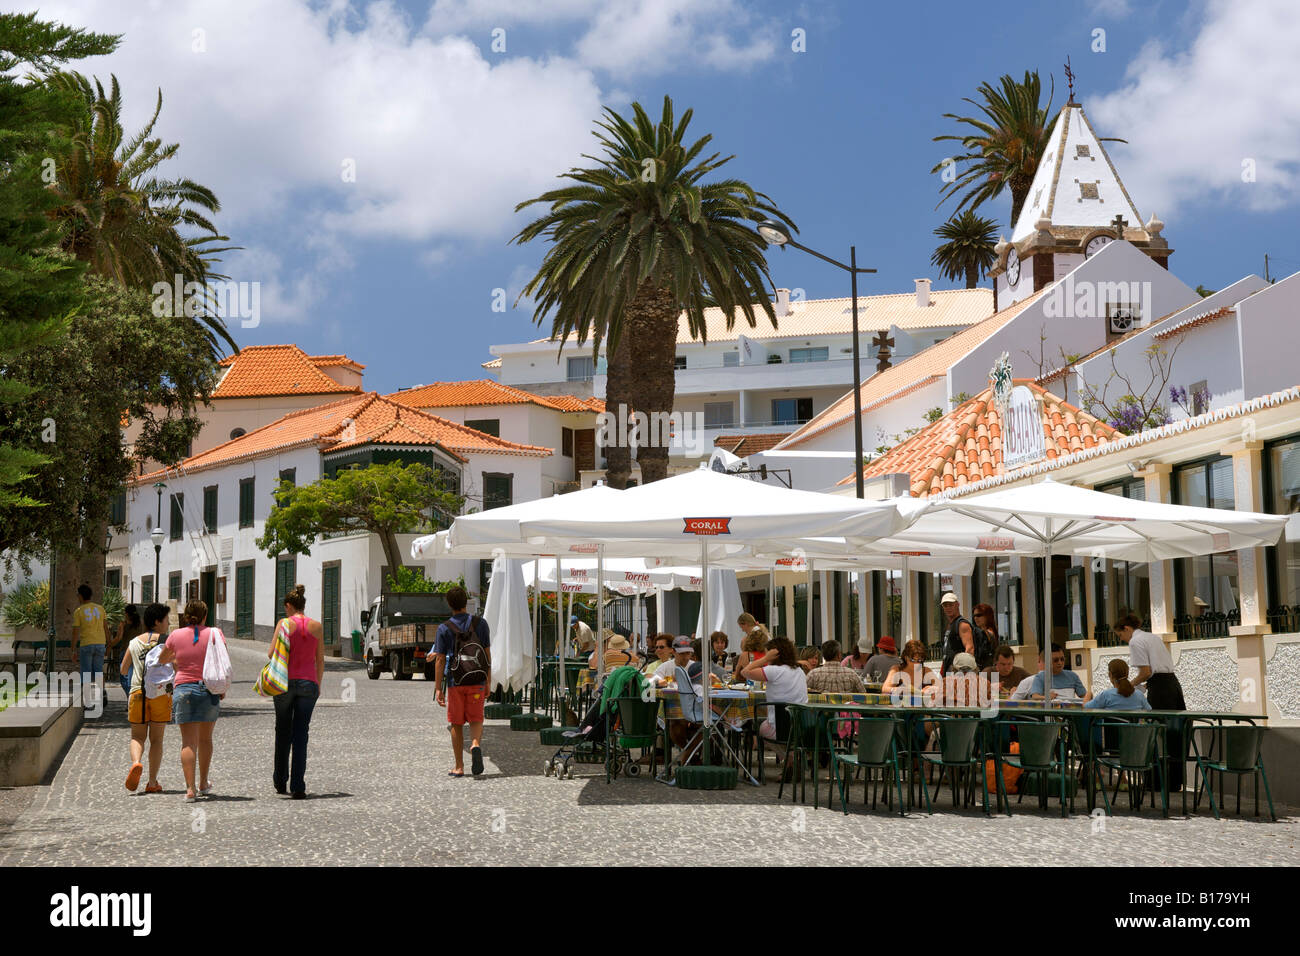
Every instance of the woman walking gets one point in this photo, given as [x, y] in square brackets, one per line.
[128, 628]
[195, 707]
[148, 715]
[294, 707]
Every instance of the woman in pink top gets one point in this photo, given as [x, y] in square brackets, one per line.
[195, 709]
[294, 707]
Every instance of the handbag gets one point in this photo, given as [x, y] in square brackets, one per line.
[216, 663]
[274, 679]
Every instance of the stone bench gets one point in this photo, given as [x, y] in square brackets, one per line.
[34, 732]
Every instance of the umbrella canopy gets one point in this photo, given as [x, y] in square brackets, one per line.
[501, 525]
[506, 615]
[723, 610]
[624, 575]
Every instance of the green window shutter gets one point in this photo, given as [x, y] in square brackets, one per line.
[178, 517]
[246, 503]
[210, 509]
[330, 604]
[244, 600]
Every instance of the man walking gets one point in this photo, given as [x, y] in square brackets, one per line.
[88, 622]
[962, 637]
[462, 655]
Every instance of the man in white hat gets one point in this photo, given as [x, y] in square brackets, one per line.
[617, 652]
[962, 636]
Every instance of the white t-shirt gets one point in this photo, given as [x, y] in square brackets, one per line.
[1147, 650]
[785, 685]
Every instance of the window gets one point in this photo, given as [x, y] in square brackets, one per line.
[244, 599]
[117, 508]
[290, 475]
[146, 589]
[210, 509]
[730, 359]
[566, 442]
[286, 576]
[174, 586]
[1282, 471]
[237, 433]
[497, 490]
[679, 362]
[1207, 586]
[1122, 585]
[488, 426]
[178, 517]
[719, 415]
[580, 369]
[810, 355]
[791, 411]
[246, 502]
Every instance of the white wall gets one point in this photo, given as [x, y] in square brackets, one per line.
[1269, 321]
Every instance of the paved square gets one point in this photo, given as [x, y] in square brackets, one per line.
[380, 794]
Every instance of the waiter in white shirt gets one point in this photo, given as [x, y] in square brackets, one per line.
[1151, 664]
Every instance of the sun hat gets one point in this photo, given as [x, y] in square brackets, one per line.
[864, 645]
[949, 598]
[683, 645]
[617, 643]
[965, 663]
[886, 645]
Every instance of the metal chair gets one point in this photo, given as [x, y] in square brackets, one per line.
[1137, 754]
[1042, 752]
[876, 749]
[630, 722]
[958, 750]
[1241, 756]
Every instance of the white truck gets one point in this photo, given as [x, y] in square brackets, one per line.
[400, 629]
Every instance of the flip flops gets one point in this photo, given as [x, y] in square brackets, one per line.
[457, 775]
[133, 776]
[476, 760]
[154, 788]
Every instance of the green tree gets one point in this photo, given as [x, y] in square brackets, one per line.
[386, 500]
[1003, 146]
[637, 240]
[968, 250]
[39, 287]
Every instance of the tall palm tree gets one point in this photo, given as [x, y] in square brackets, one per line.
[1005, 144]
[968, 251]
[117, 216]
[637, 240]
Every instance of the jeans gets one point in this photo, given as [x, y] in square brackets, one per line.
[126, 680]
[292, 718]
[92, 670]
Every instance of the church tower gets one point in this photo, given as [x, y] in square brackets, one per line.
[1076, 205]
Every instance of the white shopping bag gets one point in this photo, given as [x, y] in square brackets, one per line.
[216, 663]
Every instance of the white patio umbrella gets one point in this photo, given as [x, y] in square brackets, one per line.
[725, 609]
[1049, 518]
[506, 615]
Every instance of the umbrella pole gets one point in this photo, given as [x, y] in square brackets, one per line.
[537, 631]
[600, 610]
[1047, 619]
[808, 611]
[771, 601]
[906, 610]
[561, 630]
[706, 669]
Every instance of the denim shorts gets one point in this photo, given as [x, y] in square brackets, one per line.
[191, 703]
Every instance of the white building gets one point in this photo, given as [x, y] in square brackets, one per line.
[215, 506]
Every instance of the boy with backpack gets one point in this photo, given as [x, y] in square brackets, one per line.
[461, 654]
[961, 636]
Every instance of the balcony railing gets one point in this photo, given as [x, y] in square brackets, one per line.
[1206, 627]
[1284, 619]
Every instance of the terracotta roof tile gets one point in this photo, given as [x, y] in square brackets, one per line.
[363, 420]
[953, 451]
[743, 445]
[320, 361]
[488, 392]
[277, 370]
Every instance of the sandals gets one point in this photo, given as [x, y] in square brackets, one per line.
[476, 760]
[133, 776]
[456, 774]
[153, 788]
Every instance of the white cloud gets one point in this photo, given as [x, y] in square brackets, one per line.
[1111, 8]
[1194, 117]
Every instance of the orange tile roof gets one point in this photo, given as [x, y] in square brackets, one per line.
[277, 370]
[487, 392]
[369, 419]
[913, 372]
[966, 444]
[742, 445]
[320, 361]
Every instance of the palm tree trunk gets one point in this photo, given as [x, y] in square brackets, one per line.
[651, 326]
[618, 456]
[972, 276]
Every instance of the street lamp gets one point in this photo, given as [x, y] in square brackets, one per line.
[775, 234]
[157, 534]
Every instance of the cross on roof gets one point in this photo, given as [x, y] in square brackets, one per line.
[883, 340]
[1119, 222]
[1069, 75]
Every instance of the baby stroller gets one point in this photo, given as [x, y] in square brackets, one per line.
[584, 745]
[603, 734]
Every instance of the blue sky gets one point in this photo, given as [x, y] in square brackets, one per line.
[397, 268]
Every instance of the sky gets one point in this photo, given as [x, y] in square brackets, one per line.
[369, 155]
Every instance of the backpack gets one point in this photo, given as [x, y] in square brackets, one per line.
[216, 663]
[952, 644]
[469, 659]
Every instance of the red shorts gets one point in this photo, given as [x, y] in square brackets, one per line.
[465, 704]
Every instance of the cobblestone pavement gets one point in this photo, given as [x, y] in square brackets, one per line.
[380, 794]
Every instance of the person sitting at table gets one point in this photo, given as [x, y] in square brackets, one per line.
[616, 653]
[1121, 695]
[910, 671]
[718, 642]
[857, 660]
[1066, 685]
[1008, 672]
[663, 654]
[752, 647]
[809, 659]
[964, 685]
[883, 661]
[786, 683]
[831, 677]
[673, 671]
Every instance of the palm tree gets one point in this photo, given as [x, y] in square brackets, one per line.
[637, 240]
[1006, 145]
[117, 216]
[969, 249]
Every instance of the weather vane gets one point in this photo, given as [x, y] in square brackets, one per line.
[1069, 76]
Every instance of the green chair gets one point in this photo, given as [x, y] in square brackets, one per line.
[1042, 752]
[1136, 756]
[958, 751]
[1241, 756]
[876, 750]
[798, 733]
[629, 722]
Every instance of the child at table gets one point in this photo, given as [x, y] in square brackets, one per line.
[1121, 695]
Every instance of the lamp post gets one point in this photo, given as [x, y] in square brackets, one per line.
[157, 535]
[775, 234]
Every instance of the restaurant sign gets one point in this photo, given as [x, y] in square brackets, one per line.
[707, 526]
[583, 548]
[1022, 430]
